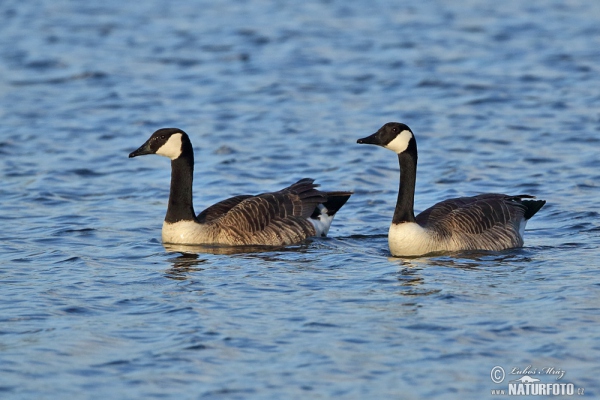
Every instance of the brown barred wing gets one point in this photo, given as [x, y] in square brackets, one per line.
[485, 222]
[274, 219]
[217, 210]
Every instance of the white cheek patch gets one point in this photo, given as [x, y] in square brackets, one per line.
[400, 142]
[172, 148]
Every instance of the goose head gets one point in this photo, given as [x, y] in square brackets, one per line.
[394, 136]
[167, 142]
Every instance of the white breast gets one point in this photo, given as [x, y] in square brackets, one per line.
[184, 232]
[410, 239]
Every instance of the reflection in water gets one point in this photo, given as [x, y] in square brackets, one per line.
[465, 259]
[188, 260]
[479, 259]
[410, 281]
[413, 283]
[183, 265]
[218, 249]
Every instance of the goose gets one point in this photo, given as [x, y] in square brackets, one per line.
[281, 218]
[488, 221]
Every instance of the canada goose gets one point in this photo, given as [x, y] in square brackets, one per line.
[485, 222]
[273, 219]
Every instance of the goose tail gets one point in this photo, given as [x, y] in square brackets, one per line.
[532, 207]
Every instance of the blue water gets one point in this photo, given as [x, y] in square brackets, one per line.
[502, 97]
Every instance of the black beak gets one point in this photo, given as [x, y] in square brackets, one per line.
[373, 139]
[143, 150]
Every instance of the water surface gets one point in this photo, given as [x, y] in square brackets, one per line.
[502, 98]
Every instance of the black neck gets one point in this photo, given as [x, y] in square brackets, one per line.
[181, 207]
[406, 194]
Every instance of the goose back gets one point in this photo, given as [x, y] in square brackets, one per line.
[276, 218]
[217, 210]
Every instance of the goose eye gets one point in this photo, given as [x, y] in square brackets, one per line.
[163, 137]
[395, 130]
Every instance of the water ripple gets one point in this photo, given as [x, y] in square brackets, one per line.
[270, 93]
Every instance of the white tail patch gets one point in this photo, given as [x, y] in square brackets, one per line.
[400, 142]
[172, 147]
[322, 222]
